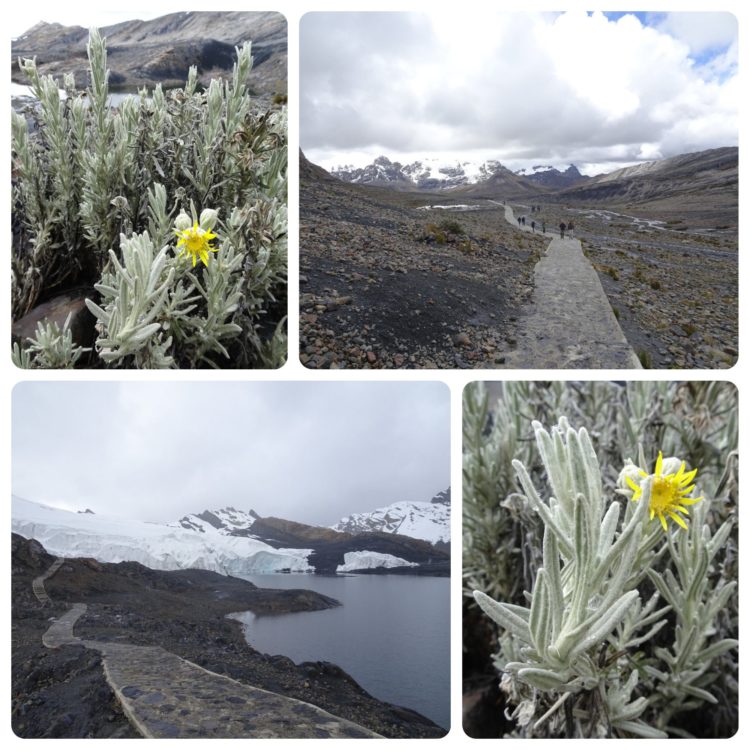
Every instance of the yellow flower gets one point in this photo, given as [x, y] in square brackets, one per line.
[196, 242]
[668, 493]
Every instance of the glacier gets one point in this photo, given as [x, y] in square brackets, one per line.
[366, 560]
[157, 546]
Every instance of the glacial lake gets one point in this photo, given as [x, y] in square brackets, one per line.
[392, 635]
[22, 95]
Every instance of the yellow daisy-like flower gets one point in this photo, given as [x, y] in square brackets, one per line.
[668, 493]
[196, 242]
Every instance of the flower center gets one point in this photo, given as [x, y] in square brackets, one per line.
[195, 241]
[664, 493]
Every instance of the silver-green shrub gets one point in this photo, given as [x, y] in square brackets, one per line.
[610, 626]
[97, 192]
[51, 348]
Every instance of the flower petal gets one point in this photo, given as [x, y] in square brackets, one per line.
[679, 521]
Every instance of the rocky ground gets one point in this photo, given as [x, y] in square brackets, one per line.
[384, 285]
[62, 693]
[673, 285]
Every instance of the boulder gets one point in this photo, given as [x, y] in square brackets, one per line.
[56, 310]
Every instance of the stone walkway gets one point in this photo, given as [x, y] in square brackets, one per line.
[166, 696]
[37, 585]
[569, 322]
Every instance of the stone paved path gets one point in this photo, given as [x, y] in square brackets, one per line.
[165, 696]
[569, 322]
[37, 585]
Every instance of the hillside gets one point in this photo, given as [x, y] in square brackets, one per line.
[384, 286]
[702, 184]
[363, 549]
[161, 50]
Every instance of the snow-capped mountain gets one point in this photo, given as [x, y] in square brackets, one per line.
[229, 521]
[429, 173]
[488, 179]
[430, 521]
[157, 546]
[382, 171]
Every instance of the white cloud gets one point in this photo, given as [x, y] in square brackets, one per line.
[311, 452]
[520, 86]
[701, 31]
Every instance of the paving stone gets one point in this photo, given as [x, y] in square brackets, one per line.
[151, 682]
[570, 323]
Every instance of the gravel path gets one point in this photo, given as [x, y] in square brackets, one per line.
[166, 696]
[569, 321]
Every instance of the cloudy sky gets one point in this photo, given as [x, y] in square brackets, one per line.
[598, 90]
[23, 17]
[310, 452]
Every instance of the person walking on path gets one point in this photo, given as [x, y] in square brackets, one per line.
[562, 230]
[544, 228]
[533, 224]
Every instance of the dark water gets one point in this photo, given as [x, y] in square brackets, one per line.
[392, 635]
[21, 95]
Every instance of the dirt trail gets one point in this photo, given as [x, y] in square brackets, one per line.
[569, 321]
[166, 696]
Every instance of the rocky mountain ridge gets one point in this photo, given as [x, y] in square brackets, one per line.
[431, 174]
[554, 178]
[405, 534]
[711, 173]
[429, 521]
[699, 179]
[161, 50]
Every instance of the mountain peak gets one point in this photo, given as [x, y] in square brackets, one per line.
[552, 177]
[421, 520]
[430, 173]
[442, 498]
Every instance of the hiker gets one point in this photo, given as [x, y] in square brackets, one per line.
[544, 228]
[533, 224]
[562, 229]
[570, 227]
[519, 221]
[523, 220]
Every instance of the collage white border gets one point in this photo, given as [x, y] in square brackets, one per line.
[455, 379]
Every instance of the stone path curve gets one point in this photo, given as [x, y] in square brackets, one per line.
[37, 585]
[166, 696]
[569, 322]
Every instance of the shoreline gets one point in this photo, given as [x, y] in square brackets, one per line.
[61, 693]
